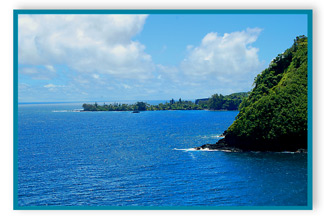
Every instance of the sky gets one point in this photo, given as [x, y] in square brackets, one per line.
[66, 58]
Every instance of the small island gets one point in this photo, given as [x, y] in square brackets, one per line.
[215, 102]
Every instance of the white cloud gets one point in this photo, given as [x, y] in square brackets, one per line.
[23, 87]
[50, 68]
[189, 47]
[168, 72]
[50, 86]
[229, 58]
[85, 43]
[96, 56]
[126, 86]
[29, 71]
[220, 64]
[96, 76]
[39, 72]
[53, 88]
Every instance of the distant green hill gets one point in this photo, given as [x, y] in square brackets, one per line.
[274, 115]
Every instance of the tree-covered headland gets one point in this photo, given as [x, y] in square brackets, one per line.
[274, 115]
[216, 102]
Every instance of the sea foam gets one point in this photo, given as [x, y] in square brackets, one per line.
[193, 149]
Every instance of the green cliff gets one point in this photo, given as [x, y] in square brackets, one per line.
[274, 115]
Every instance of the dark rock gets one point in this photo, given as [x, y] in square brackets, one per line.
[220, 146]
[301, 151]
[224, 145]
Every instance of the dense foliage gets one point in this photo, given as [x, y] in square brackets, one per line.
[176, 105]
[139, 106]
[220, 102]
[274, 115]
[142, 106]
[216, 102]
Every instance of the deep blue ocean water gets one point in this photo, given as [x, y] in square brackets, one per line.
[124, 159]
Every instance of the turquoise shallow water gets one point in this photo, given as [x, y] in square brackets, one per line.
[123, 159]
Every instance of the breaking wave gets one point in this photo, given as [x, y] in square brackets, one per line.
[212, 136]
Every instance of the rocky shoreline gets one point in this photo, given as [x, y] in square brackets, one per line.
[221, 145]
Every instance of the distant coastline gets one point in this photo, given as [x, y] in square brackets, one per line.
[215, 102]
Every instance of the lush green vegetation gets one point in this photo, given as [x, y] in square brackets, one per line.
[176, 105]
[216, 102]
[274, 115]
[142, 106]
[220, 102]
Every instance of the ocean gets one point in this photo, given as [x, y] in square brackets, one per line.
[71, 158]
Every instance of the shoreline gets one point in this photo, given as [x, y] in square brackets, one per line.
[221, 145]
[152, 110]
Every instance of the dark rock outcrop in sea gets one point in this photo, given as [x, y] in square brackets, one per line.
[220, 146]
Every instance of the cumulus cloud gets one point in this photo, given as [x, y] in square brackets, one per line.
[226, 58]
[95, 56]
[98, 44]
[219, 64]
